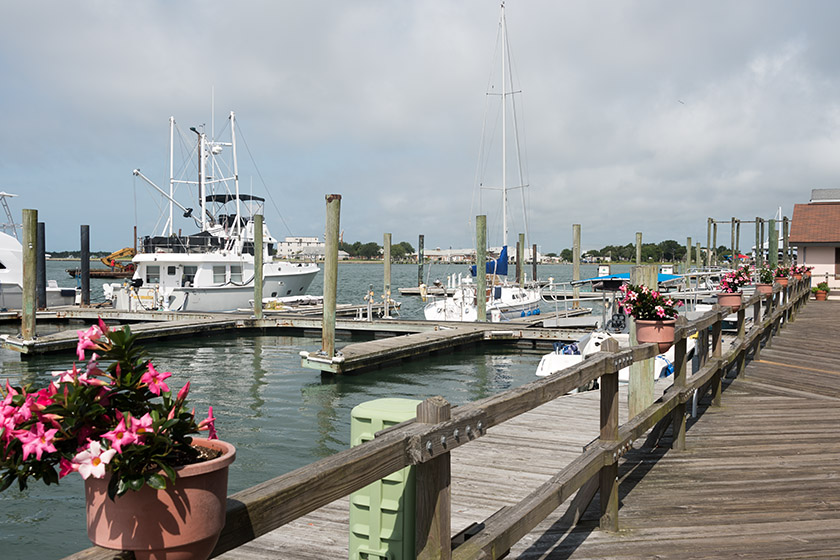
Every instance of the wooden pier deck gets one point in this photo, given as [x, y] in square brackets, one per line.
[760, 477]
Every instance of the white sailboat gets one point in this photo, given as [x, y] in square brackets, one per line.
[504, 300]
[213, 269]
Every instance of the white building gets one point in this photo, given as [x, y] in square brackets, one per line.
[301, 248]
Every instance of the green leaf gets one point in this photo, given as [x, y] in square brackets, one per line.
[136, 482]
[156, 481]
[116, 487]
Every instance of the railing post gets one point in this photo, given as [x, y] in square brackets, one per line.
[433, 498]
[758, 319]
[717, 353]
[640, 386]
[609, 432]
[680, 372]
[742, 331]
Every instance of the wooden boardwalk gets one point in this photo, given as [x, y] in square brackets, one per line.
[760, 477]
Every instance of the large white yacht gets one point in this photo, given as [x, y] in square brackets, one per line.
[213, 269]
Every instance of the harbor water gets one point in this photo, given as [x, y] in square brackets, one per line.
[279, 415]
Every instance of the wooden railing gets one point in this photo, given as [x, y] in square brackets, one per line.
[426, 441]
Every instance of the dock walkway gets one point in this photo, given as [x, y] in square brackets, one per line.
[760, 477]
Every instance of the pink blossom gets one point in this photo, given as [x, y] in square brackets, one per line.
[66, 467]
[660, 311]
[209, 424]
[87, 339]
[154, 379]
[121, 435]
[182, 394]
[142, 426]
[37, 441]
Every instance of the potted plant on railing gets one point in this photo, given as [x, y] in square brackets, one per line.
[820, 291]
[730, 287]
[765, 280]
[782, 273]
[654, 314]
[149, 484]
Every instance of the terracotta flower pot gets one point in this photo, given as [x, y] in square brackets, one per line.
[660, 331]
[797, 277]
[821, 295]
[807, 274]
[730, 300]
[179, 523]
[764, 288]
[782, 280]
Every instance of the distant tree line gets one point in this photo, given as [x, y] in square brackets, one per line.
[665, 251]
[372, 251]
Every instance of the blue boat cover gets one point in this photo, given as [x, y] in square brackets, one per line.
[498, 266]
[626, 276]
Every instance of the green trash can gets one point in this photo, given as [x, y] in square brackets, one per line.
[382, 513]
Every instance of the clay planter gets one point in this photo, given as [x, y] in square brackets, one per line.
[179, 523]
[764, 289]
[820, 295]
[797, 277]
[782, 281]
[730, 300]
[660, 331]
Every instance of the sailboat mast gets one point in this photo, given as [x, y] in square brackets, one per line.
[201, 174]
[235, 169]
[504, 127]
[171, 171]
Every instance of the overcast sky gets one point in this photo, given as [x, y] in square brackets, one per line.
[636, 116]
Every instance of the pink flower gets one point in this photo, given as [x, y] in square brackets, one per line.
[66, 467]
[182, 394]
[143, 426]
[92, 460]
[121, 435]
[37, 441]
[87, 339]
[154, 379]
[209, 424]
[660, 311]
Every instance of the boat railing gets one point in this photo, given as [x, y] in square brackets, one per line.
[426, 442]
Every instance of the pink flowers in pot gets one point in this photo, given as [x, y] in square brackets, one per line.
[122, 420]
[643, 303]
[732, 282]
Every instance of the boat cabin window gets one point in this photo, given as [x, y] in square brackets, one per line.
[189, 275]
[236, 273]
[218, 274]
[152, 274]
[2, 266]
[170, 270]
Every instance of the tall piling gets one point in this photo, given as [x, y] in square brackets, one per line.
[732, 242]
[576, 263]
[330, 274]
[84, 266]
[638, 248]
[481, 267]
[386, 258]
[534, 262]
[699, 257]
[772, 244]
[788, 256]
[258, 266]
[714, 243]
[640, 387]
[709, 242]
[30, 242]
[41, 267]
[420, 259]
[687, 254]
[760, 246]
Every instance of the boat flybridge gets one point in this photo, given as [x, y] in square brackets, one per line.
[213, 269]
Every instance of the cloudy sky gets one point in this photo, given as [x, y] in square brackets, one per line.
[635, 116]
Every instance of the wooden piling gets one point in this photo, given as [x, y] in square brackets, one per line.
[41, 267]
[481, 267]
[640, 387]
[420, 258]
[534, 262]
[680, 378]
[30, 234]
[761, 246]
[258, 266]
[714, 243]
[738, 236]
[638, 248]
[84, 265]
[772, 244]
[609, 432]
[386, 291]
[758, 249]
[687, 254]
[699, 257]
[786, 242]
[330, 274]
[732, 241]
[709, 222]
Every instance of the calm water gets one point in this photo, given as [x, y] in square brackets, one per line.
[279, 415]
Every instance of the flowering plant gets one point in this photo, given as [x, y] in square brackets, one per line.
[782, 271]
[766, 275]
[124, 420]
[734, 280]
[643, 303]
[801, 269]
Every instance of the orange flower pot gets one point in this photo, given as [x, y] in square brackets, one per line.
[764, 289]
[181, 522]
[660, 331]
[730, 300]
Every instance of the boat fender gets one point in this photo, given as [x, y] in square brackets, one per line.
[521, 313]
[537, 311]
[136, 282]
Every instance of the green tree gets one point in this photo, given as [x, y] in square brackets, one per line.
[567, 255]
[369, 250]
